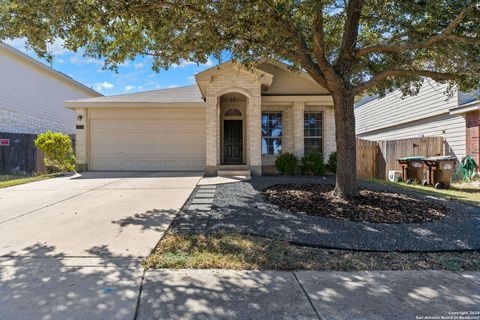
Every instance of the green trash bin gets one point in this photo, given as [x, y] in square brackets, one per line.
[412, 169]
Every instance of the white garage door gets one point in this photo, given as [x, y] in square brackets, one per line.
[157, 139]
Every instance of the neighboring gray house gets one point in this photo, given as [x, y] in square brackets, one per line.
[430, 113]
[32, 95]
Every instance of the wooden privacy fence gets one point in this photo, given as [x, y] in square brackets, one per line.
[21, 156]
[376, 158]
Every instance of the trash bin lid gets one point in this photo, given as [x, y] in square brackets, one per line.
[413, 158]
[442, 158]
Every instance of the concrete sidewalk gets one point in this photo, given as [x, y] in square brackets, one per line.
[225, 294]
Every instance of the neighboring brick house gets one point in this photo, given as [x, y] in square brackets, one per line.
[430, 113]
[32, 95]
[233, 121]
[471, 112]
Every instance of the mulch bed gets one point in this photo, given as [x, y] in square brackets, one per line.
[371, 206]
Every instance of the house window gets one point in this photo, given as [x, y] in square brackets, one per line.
[313, 132]
[271, 133]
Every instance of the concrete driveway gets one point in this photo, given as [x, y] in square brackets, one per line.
[71, 247]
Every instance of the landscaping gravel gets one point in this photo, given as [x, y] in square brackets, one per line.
[240, 207]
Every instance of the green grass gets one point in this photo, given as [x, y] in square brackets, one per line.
[461, 192]
[13, 180]
[241, 252]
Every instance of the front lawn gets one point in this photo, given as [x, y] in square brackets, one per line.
[13, 180]
[242, 252]
[462, 192]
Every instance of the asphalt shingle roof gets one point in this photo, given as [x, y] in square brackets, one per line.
[171, 95]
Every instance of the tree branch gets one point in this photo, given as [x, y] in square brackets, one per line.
[302, 54]
[446, 34]
[350, 31]
[319, 45]
[166, 4]
[310, 66]
[381, 76]
[465, 40]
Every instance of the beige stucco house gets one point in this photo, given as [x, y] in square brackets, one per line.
[234, 119]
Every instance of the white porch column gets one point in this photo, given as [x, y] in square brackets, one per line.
[254, 134]
[211, 136]
[81, 131]
[298, 119]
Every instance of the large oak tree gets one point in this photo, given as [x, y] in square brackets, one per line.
[349, 47]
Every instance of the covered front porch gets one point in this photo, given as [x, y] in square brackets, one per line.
[251, 120]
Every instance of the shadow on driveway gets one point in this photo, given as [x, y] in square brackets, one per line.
[39, 286]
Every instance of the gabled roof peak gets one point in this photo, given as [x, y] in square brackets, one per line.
[205, 77]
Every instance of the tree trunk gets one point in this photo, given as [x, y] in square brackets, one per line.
[346, 184]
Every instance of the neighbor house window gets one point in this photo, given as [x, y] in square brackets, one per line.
[271, 133]
[313, 132]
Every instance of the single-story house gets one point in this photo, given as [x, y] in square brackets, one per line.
[32, 95]
[233, 120]
[455, 117]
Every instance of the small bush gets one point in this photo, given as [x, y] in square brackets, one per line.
[466, 169]
[57, 151]
[332, 162]
[313, 164]
[286, 163]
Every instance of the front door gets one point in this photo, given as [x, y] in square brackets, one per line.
[233, 141]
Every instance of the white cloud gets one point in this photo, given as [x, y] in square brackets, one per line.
[79, 59]
[172, 86]
[138, 65]
[56, 48]
[129, 88]
[209, 62]
[186, 63]
[17, 43]
[103, 85]
[191, 79]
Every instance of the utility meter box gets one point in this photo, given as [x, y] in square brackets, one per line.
[394, 176]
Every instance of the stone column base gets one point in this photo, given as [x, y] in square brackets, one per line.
[211, 171]
[80, 167]
[256, 170]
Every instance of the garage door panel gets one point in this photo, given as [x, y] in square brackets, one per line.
[168, 139]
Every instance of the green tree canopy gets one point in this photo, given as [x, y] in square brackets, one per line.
[348, 46]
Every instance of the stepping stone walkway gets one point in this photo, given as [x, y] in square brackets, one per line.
[195, 218]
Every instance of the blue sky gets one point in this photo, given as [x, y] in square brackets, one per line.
[132, 76]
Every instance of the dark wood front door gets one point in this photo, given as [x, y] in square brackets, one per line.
[233, 141]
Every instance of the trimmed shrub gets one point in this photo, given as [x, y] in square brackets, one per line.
[466, 169]
[313, 164]
[57, 151]
[332, 162]
[286, 163]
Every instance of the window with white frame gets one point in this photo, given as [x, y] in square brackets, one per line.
[271, 133]
[313, 128]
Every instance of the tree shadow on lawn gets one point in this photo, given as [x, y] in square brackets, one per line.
[242, 208]
[42, 286]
